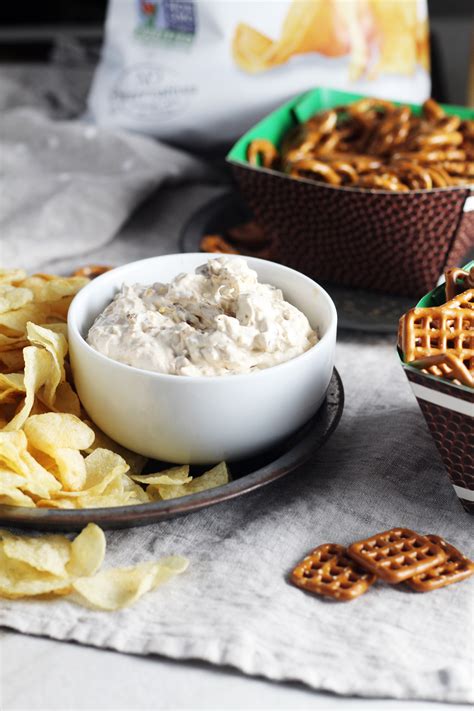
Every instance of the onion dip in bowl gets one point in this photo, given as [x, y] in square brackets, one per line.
[217, 320]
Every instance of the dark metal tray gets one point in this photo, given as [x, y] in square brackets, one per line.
[247, 475]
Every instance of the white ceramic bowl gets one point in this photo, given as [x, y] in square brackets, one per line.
[200, 420]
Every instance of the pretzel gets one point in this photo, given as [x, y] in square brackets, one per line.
[446, 365]
[439, 340]
[316, 166]
[374, 144]
[263, 150]
[328, 571]
[397, 554]
[217, 243]
[432, 110]
[91, 271]
[452, 278]
[247, 238]
[437, 329]
[248, 233]
[455, 568]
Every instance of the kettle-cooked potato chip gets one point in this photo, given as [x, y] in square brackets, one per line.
[55, 430]
[12, 297]
[14, 454]
[38, 368]
[116, 588]
[49, 554]
[46, 287]
[38, 565]
[52, 564]
[167, 477]
[56, 345]
[135, 461]
[217, 476]
[87, 552]
[9, 276]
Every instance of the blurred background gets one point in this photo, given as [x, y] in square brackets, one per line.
[68, 34]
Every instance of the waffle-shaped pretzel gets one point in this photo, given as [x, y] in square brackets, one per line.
[397, 554]
[328, 571]
[458, 280]
[446, 365]
[464, 300]
[440, 329]
[454, 569]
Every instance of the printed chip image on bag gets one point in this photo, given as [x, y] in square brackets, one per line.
[199, 73]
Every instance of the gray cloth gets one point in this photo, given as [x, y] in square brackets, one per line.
[234, 605]
[67, 187]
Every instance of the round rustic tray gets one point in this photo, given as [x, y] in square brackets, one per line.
[247, 475]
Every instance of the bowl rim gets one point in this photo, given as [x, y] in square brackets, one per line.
[203, 379]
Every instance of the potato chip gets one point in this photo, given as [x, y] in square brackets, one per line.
[46, 287]
[168, 477]
[218, 476]
[49, 554]
[135, 461]
[10, 343]
[104, 481]
[9, 478]
[15, 497]
[38, 365]
[13, 323]
[12, 297]
[37, 481]
[12, 388]
[61, 436]
[87, 552]
[55, 430]
[31, 566]
[10, 493]
[116, 588]
[65, 401]
[8, 276]
[12, 361]
[18, 579]
[56, 504]
[12, 381]
[56, 345]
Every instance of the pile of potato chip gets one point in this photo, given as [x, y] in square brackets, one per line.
[50, 454]
[52, 565]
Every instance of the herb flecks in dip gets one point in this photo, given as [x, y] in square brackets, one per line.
[217, 321]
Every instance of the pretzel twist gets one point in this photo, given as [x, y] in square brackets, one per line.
[374, 144]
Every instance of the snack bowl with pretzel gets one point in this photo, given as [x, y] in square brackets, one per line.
[362, 192]
[436, 347]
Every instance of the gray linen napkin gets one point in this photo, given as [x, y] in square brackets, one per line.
[66, 187]
[234, 605]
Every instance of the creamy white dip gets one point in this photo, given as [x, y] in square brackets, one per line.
[217, 321]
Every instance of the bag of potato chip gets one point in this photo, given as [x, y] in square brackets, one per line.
[199, 73]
